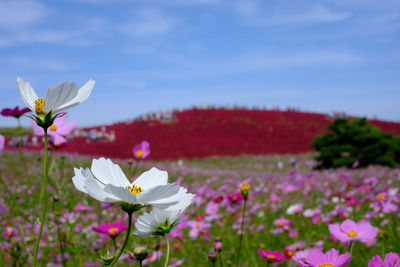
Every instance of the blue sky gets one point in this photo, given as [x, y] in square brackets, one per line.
[150, 55]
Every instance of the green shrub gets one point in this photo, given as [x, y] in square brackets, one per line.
[356, 140]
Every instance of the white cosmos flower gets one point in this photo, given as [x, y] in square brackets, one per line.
[158, 222]
[58, 98]
[106, 182]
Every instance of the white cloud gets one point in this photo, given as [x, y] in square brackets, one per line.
[26, 63]
[148, 22]
[20, 14]
[246, 8]
[260, 15]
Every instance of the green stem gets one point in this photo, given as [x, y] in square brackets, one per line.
[128, 232]
[221, 263]
[351, 245]
[136, 167]
[241, 232]
[114, 241]
[167, 258]
[44, 194]
[21, 156]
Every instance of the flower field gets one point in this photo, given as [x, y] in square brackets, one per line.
[291, 212]
[198, 133]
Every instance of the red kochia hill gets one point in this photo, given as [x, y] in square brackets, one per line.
[206, 132]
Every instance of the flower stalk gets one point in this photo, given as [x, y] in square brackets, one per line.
[128, 232]
[241, 232]
[44, 200]
[244, 191]
[167, 256]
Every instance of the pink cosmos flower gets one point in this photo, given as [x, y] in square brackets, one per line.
[9, 233]
[391, 260]
[317, 258]
[2, 141]
[212, 208]
[153, 256]
[282, 222]
[82, 208]
[198, 226]
[350, 231]
[274, 197]
[56, 131]
[14, 112]
[111, 229]
[142, 150]
[389, 207]
[271, 256]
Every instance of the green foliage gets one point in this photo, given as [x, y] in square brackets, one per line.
[10, 132]
[356, 140]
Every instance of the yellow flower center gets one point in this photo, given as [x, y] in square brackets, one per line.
[290, 253]
[352, 234]
[281, 224]
[381, 197]
[39, 105]
[134, 189]
[53, 127]
[112, 230]
[139, 153]
[325, 265]
[271, 256]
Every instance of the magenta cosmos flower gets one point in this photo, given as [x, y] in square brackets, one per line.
[317, 258]
[142, 150]
[272, 256]
[111, 229]
[14, 112]
[349, 231]
[391, 260]
[57, 131]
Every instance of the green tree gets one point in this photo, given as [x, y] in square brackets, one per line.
[356, 140]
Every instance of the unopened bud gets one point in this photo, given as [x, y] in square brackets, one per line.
[218, 246]
[108, 258]
[244, 189]
[140, 253]
[212, 257]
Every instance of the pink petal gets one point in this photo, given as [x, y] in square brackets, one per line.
[37, 130]
[348, 225]
[61, 120]
[67, 128]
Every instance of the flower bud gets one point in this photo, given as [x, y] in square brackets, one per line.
[244, 190]
[108, 258]
[140, 253]
[212, 257]
[218, 246]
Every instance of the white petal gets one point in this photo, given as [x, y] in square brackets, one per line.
[180, 200]
[121, 193]
[79, 180]
[108, 172]
[58, 95]
[27, 93]
[82, 96]
[151, 178]
[183, 203]
[96, 190]
[158, 192]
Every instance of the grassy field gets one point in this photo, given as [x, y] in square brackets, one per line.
[276, 183]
